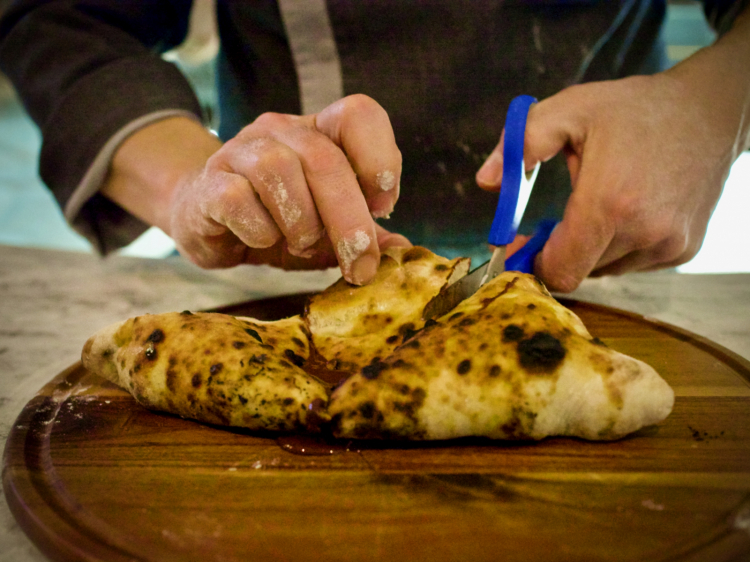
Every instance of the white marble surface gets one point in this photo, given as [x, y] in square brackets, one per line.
[51, 301]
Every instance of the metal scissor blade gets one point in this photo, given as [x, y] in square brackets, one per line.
[450, 296]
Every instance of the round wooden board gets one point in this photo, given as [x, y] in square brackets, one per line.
[90, 475]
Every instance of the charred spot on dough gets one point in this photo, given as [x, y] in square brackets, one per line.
[441, 267]
[266, 346]
[597, 341]
[531, 306]
[495, 371]
[403, 389]
[488, 301]
[541, 352]
[455, 315]
[172, 380]
[238, 344]
[407, 331]
[298, 342]
[464, 367]
[508, 287]
[520, 424]
[254, 334]
[216, 368]
[391, 339]
[288, 401]
[406, 408]
[512, 332]
[259, 359]
[196, 380]
[601, 363]
[242, 399]
[615, 395]
[373, 370]
[367, 410]
[414, 254]
[294, 358]
[186, 313]
[156, 336]
[467, 322]
[418, 395]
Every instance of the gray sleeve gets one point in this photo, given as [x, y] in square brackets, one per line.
[721, 13]
[86, 193]
[89, 73]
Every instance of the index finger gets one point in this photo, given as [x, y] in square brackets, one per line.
[362, 129]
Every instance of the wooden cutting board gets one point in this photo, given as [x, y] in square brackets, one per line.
[90, 475]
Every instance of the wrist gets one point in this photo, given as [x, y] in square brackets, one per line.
[152, 164]
[718, 79]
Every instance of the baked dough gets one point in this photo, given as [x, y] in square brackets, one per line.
[509, 362]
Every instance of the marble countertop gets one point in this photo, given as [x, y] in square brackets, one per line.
[51, 301]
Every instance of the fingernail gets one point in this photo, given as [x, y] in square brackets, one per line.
[351, 253]
[491, 172]
[381, 205]
[381, 214]
[363, 269]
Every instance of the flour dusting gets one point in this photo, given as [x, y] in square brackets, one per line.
[302, 248]
[290, 212]
[350, 249]
[386, 180]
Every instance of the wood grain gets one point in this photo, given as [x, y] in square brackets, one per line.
[90, 475]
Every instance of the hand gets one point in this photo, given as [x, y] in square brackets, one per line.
[289, 191]
[296, 192]
[647, 161]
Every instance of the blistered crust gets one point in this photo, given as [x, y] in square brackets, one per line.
[508, 363]
[352, 325]
[212, 367]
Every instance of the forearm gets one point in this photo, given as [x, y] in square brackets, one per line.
[151, 165]
[719, 76]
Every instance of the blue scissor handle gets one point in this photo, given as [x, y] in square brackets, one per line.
[523, 259]
[502, 231]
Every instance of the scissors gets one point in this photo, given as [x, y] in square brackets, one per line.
[515, 190]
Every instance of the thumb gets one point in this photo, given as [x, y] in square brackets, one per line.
[548, 131]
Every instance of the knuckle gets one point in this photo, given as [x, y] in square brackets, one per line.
[325, 158]
[649, 236]
[360, 106]
[230, 190]
[268, 121]
[641, 225]
[671, 249]
[274, 156]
